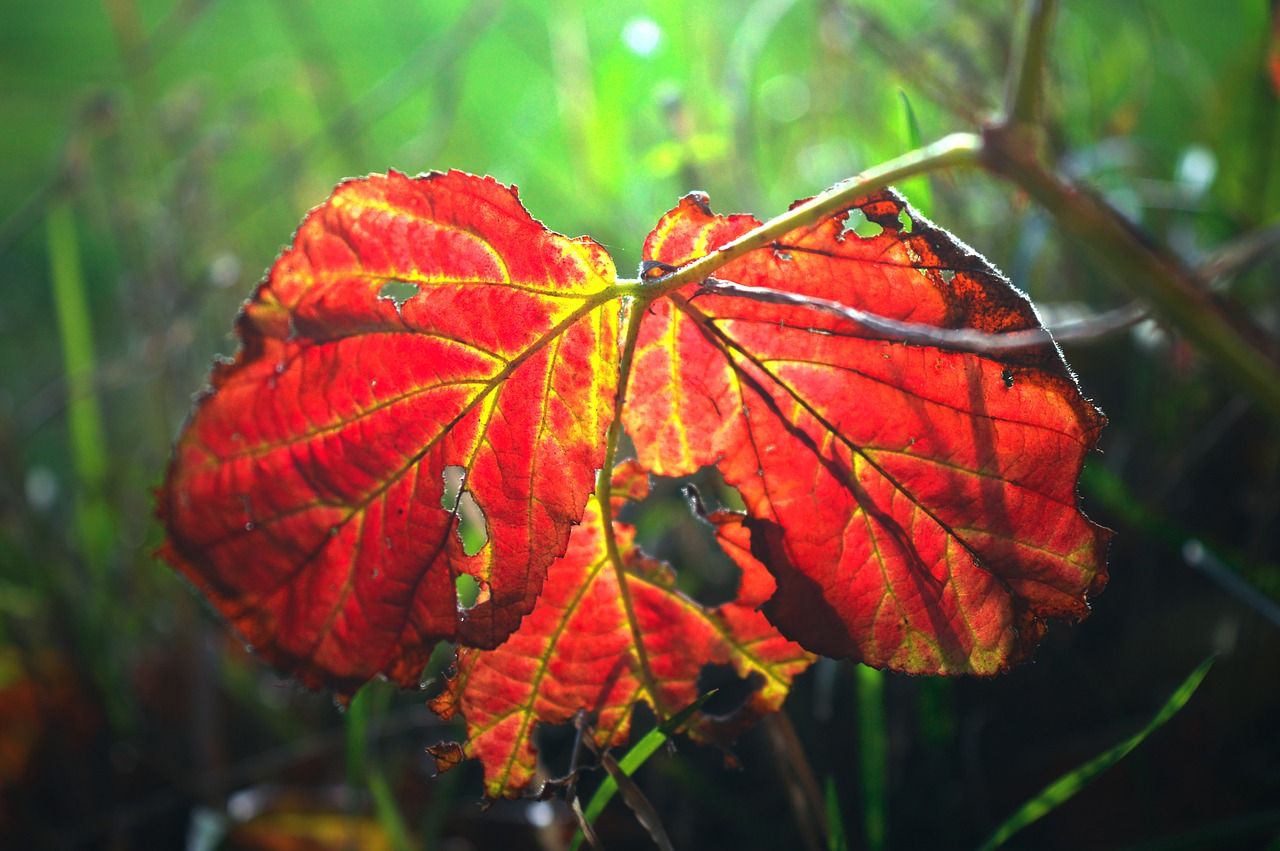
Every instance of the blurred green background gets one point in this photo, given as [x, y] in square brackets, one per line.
[155, 156]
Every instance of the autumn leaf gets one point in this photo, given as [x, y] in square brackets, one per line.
[916, 503]
[425, 348]
[415, 326]
[611, 631]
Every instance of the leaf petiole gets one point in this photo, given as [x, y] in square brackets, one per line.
[604, 496]
[958, 149]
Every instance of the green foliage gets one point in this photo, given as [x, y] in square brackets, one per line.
[1068, 785]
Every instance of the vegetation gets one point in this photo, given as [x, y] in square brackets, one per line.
[168, 152]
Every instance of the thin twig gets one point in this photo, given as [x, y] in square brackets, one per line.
[1239, 255]
[1125, 253]
[808, 805]
[1135, 262]
[916, 333]
[1197, 555]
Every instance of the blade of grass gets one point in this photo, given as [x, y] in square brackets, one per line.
[837, 840]
[916, 189]
[636, 757]
[94, 523]
[84, 412]
[361, 771]
[1228, 568]
[873, 756]
[388, 811]
[1066, 786]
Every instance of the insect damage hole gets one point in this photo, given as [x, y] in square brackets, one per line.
[472, 528]
[905, 223]
[857, 223]
[399, 292]
[467, 588]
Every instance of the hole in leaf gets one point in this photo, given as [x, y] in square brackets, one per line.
[471, 525]
[437, 669]
[453, 476]
[856, 223]
[1007, 377]
[468, 590]
[398, 291]
[904, 219]
[948, 275]
[732, 691]
[471, 521]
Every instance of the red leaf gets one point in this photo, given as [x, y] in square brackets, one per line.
[604, 636]
[916, 505]
[304, 496]
[911, 505]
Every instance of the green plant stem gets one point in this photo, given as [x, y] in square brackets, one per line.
[361, 771]
[1026, 74]
[958, 149]
[873, 756]
[837, 840]
[636, 757]
[1134, 263]
[84, 412]
[94, 523]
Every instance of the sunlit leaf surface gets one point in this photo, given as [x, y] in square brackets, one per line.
[605, 636]
[917, 505]
[415, 325]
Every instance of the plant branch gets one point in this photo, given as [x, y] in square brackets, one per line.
[1008, 148]
[1137, 264]
[1129, 256]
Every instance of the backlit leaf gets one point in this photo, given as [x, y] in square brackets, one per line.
[416, 327]
[603, 639]
[916, 504]
[425, 389]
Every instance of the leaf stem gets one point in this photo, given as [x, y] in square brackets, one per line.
[604, 496]
[958, 149]
[796, 774]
